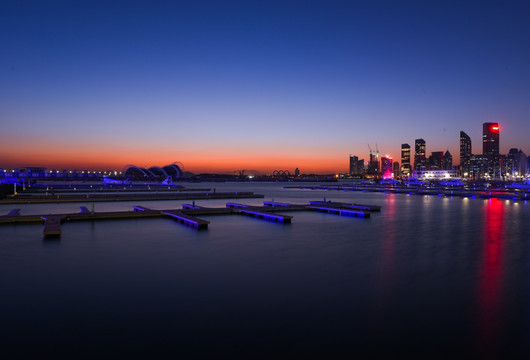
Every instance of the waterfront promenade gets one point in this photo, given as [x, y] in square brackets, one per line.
[441, 191]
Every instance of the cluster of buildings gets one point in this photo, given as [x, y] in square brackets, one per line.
[489, 165]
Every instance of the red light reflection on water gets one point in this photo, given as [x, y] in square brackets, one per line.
[489, 287]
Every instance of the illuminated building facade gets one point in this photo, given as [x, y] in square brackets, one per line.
[420, 160]
[465, 154]
[386, 167]
[405, 160]
[490, 148]
[490, 139]
[515, 164]
[478, 166]
[373, 166]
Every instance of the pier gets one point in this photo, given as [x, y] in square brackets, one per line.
[52, 225]
[188, 215]
[341, 211]
[260, 212]
[124, 196]
[186, 219]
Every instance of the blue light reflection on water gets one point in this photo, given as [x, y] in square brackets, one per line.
[423, 274]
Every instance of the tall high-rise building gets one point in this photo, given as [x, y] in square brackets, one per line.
[465, 154]
[490, 139]
[419, 155]
[490, 147]
[373, 166]
[405, 160]
[356, 165]
[354, 160]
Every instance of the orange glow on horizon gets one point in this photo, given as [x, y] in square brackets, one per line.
[113, 157]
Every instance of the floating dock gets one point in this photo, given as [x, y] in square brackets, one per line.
[125, 196]
[371, 208]
[341, 211]
[52, 225]
[188, 215]
[260, 212]
[186, 219]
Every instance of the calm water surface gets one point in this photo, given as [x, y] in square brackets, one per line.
[427, 276]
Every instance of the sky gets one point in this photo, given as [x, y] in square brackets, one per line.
[266, 85]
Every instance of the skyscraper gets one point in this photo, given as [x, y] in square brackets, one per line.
[373, 167]
[490, 139]
[356, 165]
[490, 147]
[405, 160]
[354, 160]
[465, 154]
[419, 154]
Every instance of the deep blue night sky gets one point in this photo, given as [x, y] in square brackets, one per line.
[257, 84]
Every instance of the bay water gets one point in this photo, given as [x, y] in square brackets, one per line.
[427, 276]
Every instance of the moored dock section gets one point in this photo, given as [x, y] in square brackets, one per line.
[141, 208]
[52, 225]
[260, 212]
[340, 211]
[371, 208]
[197, 223]
[284, 219]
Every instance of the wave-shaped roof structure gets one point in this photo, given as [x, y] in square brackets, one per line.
[174, 171]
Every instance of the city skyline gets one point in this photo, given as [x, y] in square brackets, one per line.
[256, 85]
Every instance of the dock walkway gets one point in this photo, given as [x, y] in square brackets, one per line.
[188, 215]
[151, 196]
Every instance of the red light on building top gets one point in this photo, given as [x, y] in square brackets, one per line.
[496, 128]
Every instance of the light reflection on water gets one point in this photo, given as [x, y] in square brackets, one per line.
[426, 273]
